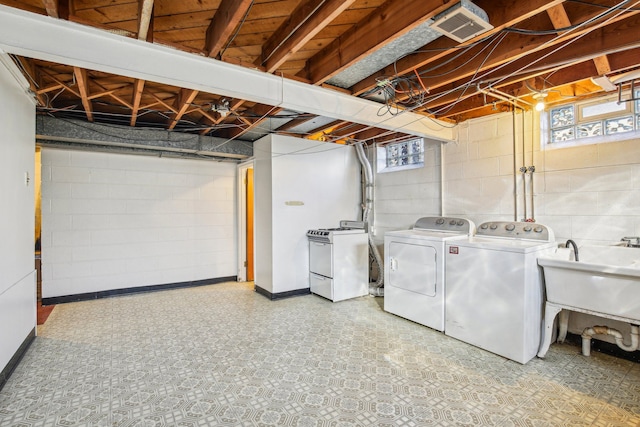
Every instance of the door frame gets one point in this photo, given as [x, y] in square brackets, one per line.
[242, 218]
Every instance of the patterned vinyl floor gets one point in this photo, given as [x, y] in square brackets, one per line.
[223, 355]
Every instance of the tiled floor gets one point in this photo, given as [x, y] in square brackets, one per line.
[225, 355]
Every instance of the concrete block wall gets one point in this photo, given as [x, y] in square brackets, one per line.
[113, 221]
[404, 196]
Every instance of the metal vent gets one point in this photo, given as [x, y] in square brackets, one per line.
[462, 22]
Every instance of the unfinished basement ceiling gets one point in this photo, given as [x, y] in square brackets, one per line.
[386, 52]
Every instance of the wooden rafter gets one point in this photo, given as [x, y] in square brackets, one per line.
[224, 22]
[542, 52]
[145, 20]
[35, 82]
[185, 98]
[136, 97]
[164, 103]
[83, 86]
[602, 65]
[57, 8]
[559, 17]
[59, 82]
[391, 20]
[441, 47]
[561, 75]
[307, 20]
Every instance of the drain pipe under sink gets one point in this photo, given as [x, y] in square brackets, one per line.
[605, 330]
[377, 289]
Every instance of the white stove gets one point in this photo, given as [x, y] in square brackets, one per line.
[339, 261]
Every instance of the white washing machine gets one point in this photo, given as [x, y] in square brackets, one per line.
[414, 282]
[495, 291]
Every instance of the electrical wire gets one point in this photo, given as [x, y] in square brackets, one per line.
[235, 34]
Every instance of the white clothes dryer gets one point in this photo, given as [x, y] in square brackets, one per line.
[414, 273]
[495, 291]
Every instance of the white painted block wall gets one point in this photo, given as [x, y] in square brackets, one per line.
[114, 221]
[404, 196]
[17, 272]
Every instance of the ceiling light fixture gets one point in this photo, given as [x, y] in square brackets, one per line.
[539, 98]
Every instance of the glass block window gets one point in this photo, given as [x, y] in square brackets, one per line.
[592, 119]
[405, 153]
[618, 125]
[402, 155]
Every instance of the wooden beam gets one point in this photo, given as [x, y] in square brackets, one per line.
[224, 22]
[185, 98]
[440, 48]
[261, 111]
[602, 65]
[57, 8]
[164, 103]
[307, 20]
[388, 22]
[559, 77]
[145, 20]
[136, 97]
[559, 17]
[543, 52]
[83, 86]
[35, 81]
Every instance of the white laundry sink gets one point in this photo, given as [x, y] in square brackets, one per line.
[606, 279]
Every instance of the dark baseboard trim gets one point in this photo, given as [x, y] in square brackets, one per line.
[605, 348]
[280, 295]
[126, 291]
[8, 370]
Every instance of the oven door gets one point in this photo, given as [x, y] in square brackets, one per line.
[320, 258]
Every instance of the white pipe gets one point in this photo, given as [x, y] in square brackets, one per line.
[442, 179]
[56, 40]
[375, 290]
[605, 330]
[515, 166]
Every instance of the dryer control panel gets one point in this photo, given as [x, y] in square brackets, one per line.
[516, 230]
[441, 223]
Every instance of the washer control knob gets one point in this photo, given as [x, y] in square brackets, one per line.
[538, 229]
[440, 221]
[493, 226]
[484, 226]
[460, 223]
[527, 228]
[452, 222]
[510, 227]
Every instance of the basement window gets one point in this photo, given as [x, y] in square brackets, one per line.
[593, 121]
[403, 155]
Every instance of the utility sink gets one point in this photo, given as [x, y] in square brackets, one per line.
[605, 283]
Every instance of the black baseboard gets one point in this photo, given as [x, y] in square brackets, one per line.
[8, 370]
[605, 347]
[280, 295]
[125, 291]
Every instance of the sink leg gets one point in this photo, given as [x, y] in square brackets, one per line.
[564, 325]
[550, 313]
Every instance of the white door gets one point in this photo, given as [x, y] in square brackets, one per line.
[413, 268]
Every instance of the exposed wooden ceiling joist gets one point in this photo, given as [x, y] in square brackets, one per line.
[533, 45]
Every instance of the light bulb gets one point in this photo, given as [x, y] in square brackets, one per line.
[540, 97]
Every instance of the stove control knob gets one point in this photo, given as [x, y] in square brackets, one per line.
[440, 221]
[527, 228]
[510, 227]
[452, 222]
[493, 226]
[483, 226]
[538, 229]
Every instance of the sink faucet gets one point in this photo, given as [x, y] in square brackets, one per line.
[575, 248]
